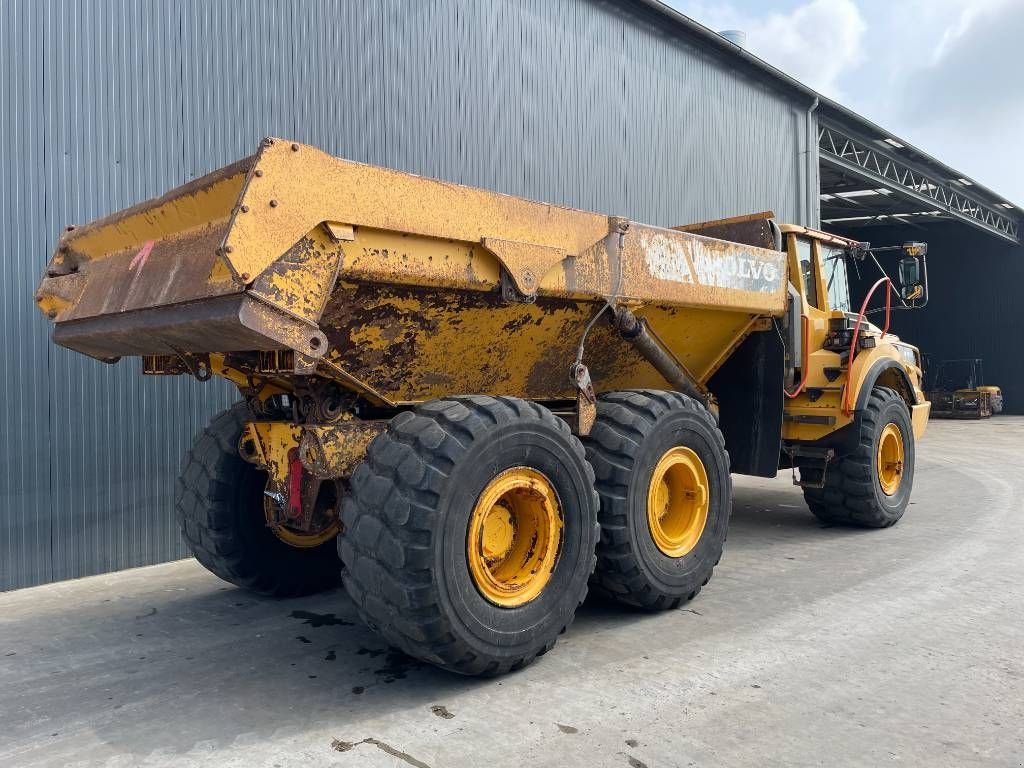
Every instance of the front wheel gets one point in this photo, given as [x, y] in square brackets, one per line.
[871, 486]
[470, 532]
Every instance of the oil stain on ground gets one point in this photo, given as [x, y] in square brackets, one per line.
[373, 653]
[442, 711]
[316, 620]
[396, 667]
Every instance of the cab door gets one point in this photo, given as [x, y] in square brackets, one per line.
[815, 411]
[806, 253]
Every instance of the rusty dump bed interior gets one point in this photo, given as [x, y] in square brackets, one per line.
[399, 287]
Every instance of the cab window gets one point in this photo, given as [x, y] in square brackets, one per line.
[805, 256]
[837, 284]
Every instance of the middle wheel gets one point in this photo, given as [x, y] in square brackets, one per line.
[469, 533]
[666, 494]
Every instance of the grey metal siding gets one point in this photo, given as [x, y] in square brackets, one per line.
[702, 141]
[590, 104]
[24, 431]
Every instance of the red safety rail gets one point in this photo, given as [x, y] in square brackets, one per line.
[856, 332]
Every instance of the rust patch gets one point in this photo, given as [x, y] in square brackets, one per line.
[753, 229]
[300, 282]
[331, 452]
[413, 343]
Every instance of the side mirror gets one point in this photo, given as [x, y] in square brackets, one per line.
[910, 278]
[910, 271]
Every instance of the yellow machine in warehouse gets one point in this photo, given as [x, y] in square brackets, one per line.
[470, 406]
[955, 392]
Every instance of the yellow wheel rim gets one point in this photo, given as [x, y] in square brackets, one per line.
[677, 501]
[296, 538]
[890, 459]
[514, 538]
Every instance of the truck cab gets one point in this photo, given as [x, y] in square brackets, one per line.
[839, 361]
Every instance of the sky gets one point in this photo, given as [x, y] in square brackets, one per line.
[946, 75]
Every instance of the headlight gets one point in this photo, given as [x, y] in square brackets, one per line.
[909, 354]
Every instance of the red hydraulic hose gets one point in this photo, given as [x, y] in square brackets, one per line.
[856, 332]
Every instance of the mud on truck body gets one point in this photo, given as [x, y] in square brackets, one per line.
[469, 407]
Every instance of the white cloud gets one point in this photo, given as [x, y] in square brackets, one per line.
[966, 104]
[966, 16]
[816, 42]
[974, 75]
[946, 75]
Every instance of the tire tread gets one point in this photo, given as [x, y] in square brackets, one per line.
[624, 419]
[393, 594]
[848, 497]
[205, 503]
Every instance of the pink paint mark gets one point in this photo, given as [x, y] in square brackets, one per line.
[140, 258]
[294, 485]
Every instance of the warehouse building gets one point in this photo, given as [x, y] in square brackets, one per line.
[620, 107]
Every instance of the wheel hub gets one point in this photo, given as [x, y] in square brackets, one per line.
[514, 537]
[890, 459]
[306, 514]
[677, 501]
[498, 533]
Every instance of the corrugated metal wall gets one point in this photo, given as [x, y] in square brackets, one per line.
[104, 104]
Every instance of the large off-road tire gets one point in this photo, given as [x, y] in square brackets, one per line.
[219, 503]
[655, 553]
[412, 562]
[865, 488]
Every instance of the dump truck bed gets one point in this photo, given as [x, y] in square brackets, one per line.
[400, 287]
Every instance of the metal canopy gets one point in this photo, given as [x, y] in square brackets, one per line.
[870, 177]
[869, 182]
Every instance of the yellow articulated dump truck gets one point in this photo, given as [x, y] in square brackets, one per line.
[469, 407]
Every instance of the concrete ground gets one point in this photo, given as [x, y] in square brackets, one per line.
[811, 646]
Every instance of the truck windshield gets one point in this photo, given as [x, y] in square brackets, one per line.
[834, 262]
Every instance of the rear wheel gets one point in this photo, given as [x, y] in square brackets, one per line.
[666, 495]
[219, 502]
[871, 486]
[470, 532]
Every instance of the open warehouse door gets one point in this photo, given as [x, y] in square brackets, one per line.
[877, 188]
